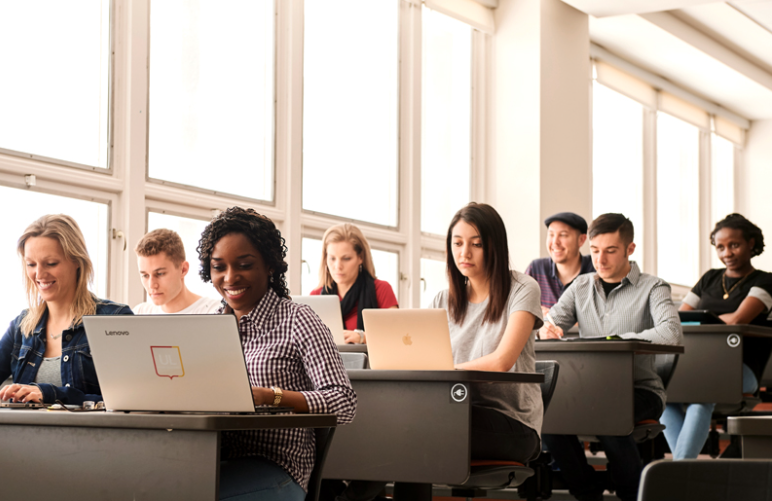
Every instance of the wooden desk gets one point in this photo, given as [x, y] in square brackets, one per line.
[594, 392]
[411, 426]
[104, 455]
[710, 371]
[756, 433]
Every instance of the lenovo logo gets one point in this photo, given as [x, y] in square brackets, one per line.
[116, 333]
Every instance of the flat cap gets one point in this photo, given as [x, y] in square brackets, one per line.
[573, 220]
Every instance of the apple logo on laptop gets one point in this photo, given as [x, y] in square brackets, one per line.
[406, 339]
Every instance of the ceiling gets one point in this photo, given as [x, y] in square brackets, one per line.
[720, 51]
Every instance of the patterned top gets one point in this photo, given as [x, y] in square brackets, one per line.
[640, 307]
[545, 271]
[287, 345]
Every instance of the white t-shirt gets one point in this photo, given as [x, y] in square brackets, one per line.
[203, 305]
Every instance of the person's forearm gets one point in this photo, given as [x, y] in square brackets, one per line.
[294, 399]
[491, 362]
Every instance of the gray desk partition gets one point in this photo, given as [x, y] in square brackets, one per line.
[594, 392]
[117, 456]
[710, 371]
[756, 434]
[411, 426]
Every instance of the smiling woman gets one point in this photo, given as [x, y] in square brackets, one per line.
[285, 343]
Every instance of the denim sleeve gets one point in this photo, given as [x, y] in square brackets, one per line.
[6, 346]
[66, 394]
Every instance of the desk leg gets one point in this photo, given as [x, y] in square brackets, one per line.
[68, 463]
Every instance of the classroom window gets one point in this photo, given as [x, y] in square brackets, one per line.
[721, 184]
[446, 119]
[350, 109]
[434, 278]
[678, 201]
[617, 165]
[55, 95]
[211, 95]
[386, 265]
[92, 218]
[190, 231]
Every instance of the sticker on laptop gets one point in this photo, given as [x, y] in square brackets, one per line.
[167, 361]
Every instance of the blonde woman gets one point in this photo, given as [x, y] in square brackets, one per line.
[347, 270]
[45, 348]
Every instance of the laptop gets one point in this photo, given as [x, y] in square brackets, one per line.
[699, 317]
[170, 363]
[328, 309]
[408, 339]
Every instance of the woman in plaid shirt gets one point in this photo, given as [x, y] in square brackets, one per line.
[291, 357]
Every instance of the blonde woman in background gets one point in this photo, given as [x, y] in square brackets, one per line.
[45, 348]
[347, 270]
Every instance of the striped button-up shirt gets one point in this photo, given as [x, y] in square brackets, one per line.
[286, 345]
[638, 308]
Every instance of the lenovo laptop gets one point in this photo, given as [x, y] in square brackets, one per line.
[328, 309]
[408, 339]
[170, 363]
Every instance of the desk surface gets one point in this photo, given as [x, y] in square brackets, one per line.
[750, 425]
[459, 376]
[745, 330]
[193, 422]
[641, 347]
[353, 348]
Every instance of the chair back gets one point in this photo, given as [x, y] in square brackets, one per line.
[665, 365]
[550, 369]
[701, 480]
[354, 360]
[323, 440]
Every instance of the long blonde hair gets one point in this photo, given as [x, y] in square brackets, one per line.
[64, 230]
[345, 233]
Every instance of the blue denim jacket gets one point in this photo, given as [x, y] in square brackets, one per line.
[21, 356]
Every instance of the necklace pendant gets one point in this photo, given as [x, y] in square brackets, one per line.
[726, 296]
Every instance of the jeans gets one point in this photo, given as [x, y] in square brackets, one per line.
[624, 460]
[688, 425]
[255, 477]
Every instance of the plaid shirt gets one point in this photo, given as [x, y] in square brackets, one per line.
[287, 345]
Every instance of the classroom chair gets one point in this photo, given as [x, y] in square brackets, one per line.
[354, 360]
[700, 480]
[323, 440]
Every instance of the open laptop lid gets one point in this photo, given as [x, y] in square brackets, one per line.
[701, 317]
[408, 339]
[328, 309]
[169, 362]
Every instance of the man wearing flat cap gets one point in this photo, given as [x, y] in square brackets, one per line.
[566, 233]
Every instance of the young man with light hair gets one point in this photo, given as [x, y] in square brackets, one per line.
[162, 268]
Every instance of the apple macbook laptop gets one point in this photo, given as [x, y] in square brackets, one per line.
[170, 363]
[408, 339]
[328, 309]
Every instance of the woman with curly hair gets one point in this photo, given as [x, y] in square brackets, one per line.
[738, 294]
[290, 355]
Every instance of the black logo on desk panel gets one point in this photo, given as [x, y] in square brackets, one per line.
[733, 340]
[458, 393]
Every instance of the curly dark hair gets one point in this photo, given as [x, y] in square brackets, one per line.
[750, 231]
[263, 234]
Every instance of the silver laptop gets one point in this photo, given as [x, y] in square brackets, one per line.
[175, 363]
[408, 339]
[328, 309]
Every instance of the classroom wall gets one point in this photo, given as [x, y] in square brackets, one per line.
[754, 185]
[539, 143]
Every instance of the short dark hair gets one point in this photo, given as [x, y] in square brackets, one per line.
[162, 240]
[750, 231]
[260, 231]
[611, 223]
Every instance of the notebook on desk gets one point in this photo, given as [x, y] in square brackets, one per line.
[328, 309]
[408, 339]
[170, 363]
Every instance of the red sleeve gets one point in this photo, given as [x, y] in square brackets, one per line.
[316, 292]
[385, 295]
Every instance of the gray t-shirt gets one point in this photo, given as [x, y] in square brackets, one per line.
[472, 339]
[50, 371]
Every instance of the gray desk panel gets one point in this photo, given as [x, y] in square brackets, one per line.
[639, 347]
[460, 376]
[756, 433]
[407, 431]
[108, 464]
[710, 371]
[594, 392]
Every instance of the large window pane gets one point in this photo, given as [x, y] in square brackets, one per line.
[92, 218]
[350, 104]
[190, 232]
[386, 266]
[433, 279]
[722, 184]
[678, 201]
[617, 154]
[211, 95]
[54, 93]
[446, 119]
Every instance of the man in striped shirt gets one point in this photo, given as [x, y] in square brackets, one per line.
[617, 300]
[566, 233]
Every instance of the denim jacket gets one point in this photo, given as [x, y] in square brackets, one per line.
[21, 357]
